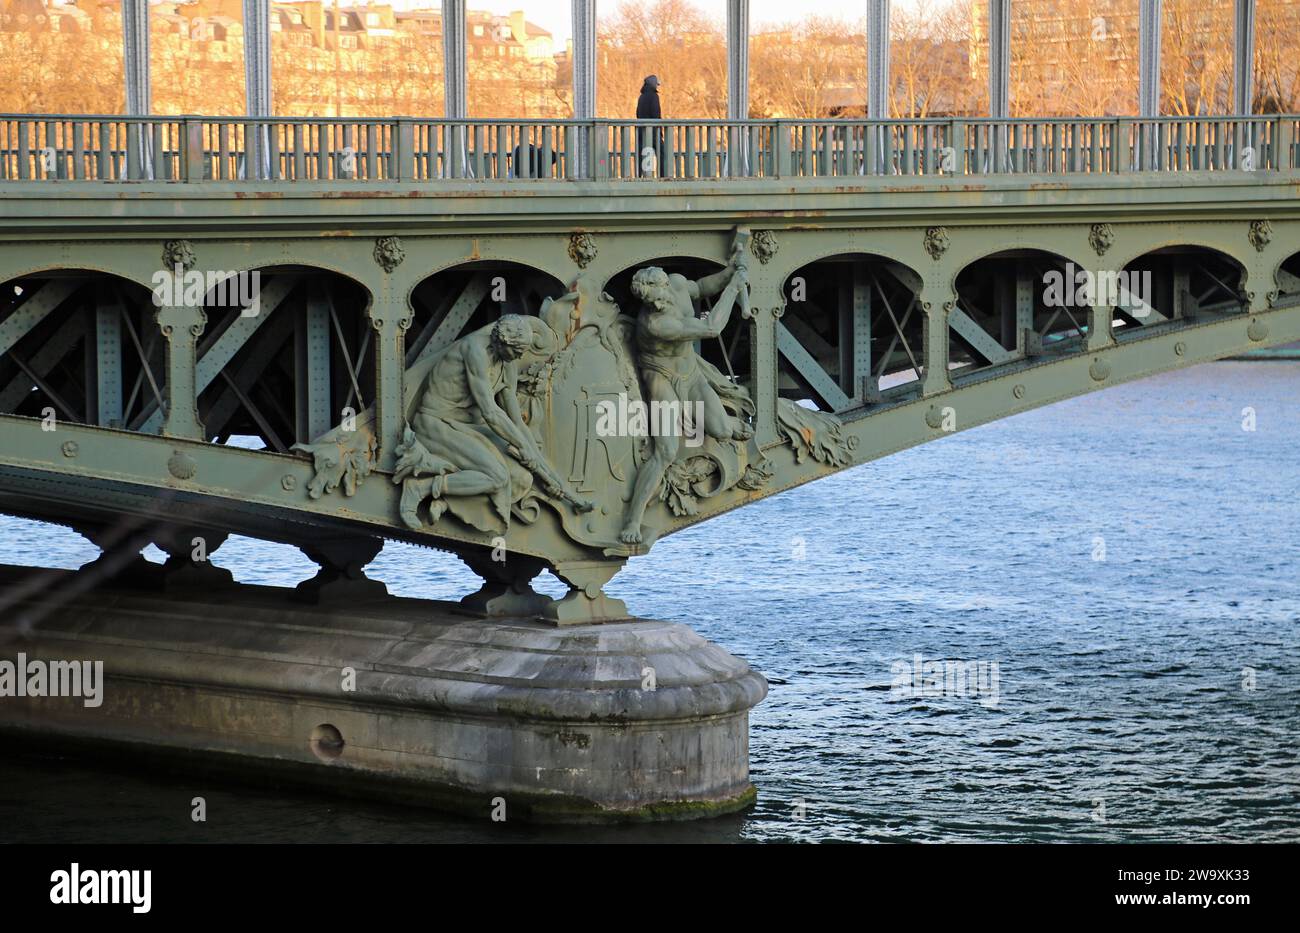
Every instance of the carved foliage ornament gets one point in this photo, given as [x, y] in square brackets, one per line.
[389, 253]
[764, 245]
[582, 249]
[936, 242]
[178, 253]
[812, 434]
[1260, 234]
[1101, 237]
[343, 457]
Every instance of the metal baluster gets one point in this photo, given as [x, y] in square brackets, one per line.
[223, 152]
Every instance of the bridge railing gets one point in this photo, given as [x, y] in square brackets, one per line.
[197, 149]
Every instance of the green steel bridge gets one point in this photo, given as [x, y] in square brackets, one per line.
[903, 279]
[332, 333]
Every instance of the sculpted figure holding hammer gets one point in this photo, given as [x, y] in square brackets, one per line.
[673, 372]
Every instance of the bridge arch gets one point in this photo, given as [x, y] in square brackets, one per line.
[1286, 281]
[463, 296]
[491, 256]
[1180, 282]
[1008, 306]
[79, 344]
[852, 331]
[731, 354]
[130, 274]
[796, 253]
[695, 262]
[287, 353]
[689, 263]
[1184, 242]
[1000, 249]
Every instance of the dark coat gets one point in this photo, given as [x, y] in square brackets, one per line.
[647, 105]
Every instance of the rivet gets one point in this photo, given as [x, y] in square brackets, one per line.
[1099, 370]
[1018, 391]
[1180, 348]
[70, 448]
[288, 482]
[1257, 331]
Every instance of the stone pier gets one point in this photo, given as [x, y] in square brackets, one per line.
[402, 699]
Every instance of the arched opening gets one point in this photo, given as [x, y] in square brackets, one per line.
[1015, 304]
[464, 298]
[79, 346]
[1178, 285]
[1288, 282]
[731, 353]
[852, 332]
[288, 353]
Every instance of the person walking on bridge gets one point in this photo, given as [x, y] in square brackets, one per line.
[647, 108]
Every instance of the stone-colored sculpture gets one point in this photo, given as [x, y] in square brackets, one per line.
[469, 438]
[674, 373]
[507, 420]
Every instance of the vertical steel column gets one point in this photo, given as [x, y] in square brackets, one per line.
[135, 56]
[584, 79]
[768, 302]
[1026, 334]
[390, 315]
[737, 84]
[257, 85]
[878, 88]
[135, 65]
[1183, 301]
[1149, 58]
[455, 82]
[454, 74]
[999, 77]
[1101, 322]
[855, 332]
[1243, 60]
[312, 382]
[108, 362]
[1149, 27]
[737, 59]
[181, 327]
[936, 300]
[1004, 306]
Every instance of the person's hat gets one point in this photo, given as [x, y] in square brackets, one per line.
[653, 81]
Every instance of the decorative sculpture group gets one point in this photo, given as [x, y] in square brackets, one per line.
[468, 436]
[513, 416]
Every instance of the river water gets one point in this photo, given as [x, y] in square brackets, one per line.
[1128, 560]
